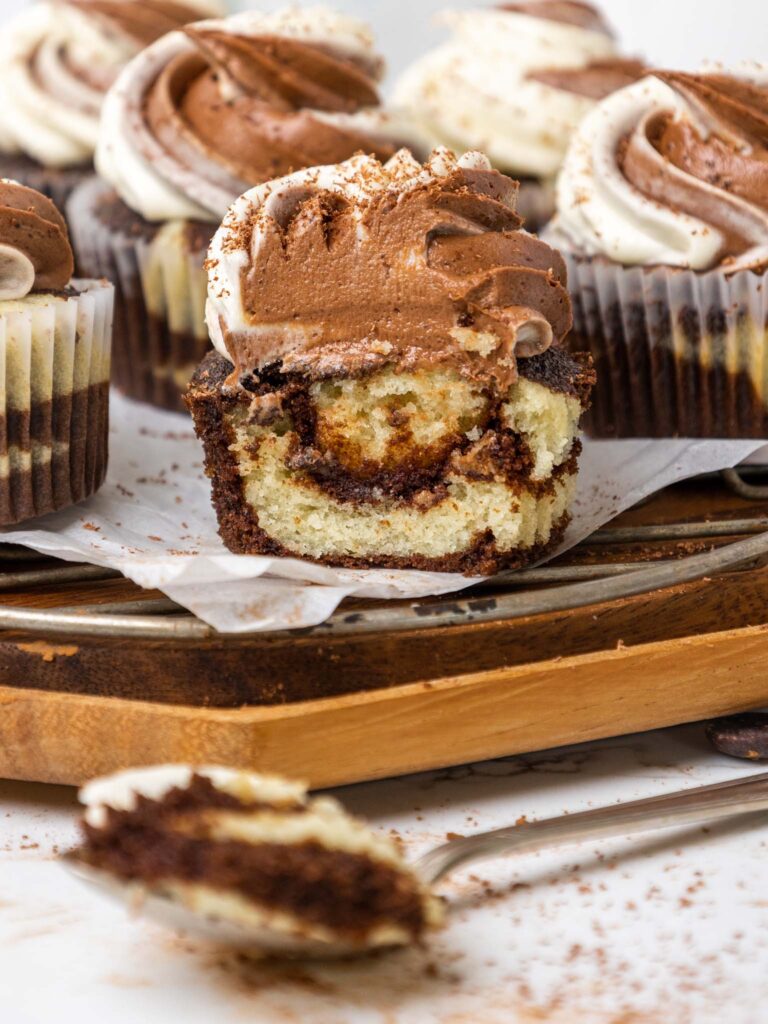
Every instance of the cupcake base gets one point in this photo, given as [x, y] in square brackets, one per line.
[160, 333]
[442, 481]
[54, 427]
[677, 354]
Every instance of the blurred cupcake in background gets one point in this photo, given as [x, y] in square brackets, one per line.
[57, 60]
[191, 123]
[55, 339]
[515, 81]
[663, 221]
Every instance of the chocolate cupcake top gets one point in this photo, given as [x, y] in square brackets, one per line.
[516, 80]
[202, 115]
[57, 61]
[336, 271]
[35, 254]
[672, 171]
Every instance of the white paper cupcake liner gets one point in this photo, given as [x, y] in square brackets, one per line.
[54, 388]
[160, 333]
[677, 353]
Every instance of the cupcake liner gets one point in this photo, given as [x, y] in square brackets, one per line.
[58, 183]
[54, 387]
[677, 353]
[161, 286]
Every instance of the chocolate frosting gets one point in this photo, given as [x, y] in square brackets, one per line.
[402, 265]
[143, 21]
[568, 12]
[711, 164]
[31, 225]
[596, 80]
[243, 109]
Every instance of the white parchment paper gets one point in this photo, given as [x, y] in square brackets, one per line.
[154, 522]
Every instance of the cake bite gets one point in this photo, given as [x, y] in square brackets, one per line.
[388, 386]
[55, 346]
[252, 858]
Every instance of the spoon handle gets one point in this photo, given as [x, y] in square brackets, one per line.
[689, 807]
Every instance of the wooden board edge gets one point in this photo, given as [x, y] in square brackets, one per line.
[61, 738]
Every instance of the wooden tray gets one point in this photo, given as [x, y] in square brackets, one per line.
[339, 709]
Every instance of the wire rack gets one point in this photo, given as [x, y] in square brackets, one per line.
[734, 545]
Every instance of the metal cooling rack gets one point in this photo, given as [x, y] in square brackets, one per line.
[550, 588]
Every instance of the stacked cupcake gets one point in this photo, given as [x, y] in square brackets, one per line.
[57, 61]
[191, 123]
[663, 220]
[515, 81]
[388, 387]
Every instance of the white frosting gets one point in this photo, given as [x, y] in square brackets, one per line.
[473, 92]
[51, 113]
[356, 179]
[120, 791]
[601, 213]
[159, 187]
[17, 273]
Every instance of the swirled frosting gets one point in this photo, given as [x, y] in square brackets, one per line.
[202, 115]
[57, 61]
[672, 170]
[335, 271]
[35, 254]
[515, 81]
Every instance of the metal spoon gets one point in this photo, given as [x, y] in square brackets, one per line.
[697, 806]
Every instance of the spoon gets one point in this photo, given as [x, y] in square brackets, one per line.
[268, 935]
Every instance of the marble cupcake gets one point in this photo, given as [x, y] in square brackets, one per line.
[387, 388]
[55, 339]
[256, 857]
[191, 123]
[515, 81]
[57, 60]
[663, 221]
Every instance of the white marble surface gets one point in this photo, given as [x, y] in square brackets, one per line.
[670, 930]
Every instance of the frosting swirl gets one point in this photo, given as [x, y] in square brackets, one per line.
[35, 254]
[57, 61]
[673, 170]
[338, 270]
[515, 81]
[199, 117]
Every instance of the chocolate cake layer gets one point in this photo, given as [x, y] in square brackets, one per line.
[159, 842]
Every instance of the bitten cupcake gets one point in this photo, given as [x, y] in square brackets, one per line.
[663, 218]
[192, 123]
[55, 338]
[387, 388]
[515, 81]
[57, 60]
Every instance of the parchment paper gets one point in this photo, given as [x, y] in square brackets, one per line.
[153, 521]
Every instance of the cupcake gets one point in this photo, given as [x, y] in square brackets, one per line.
[55, 339]
[57, 60]
[515, 81]
[386, 388]
[193, 122]
[255, 856]
[663, 219]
